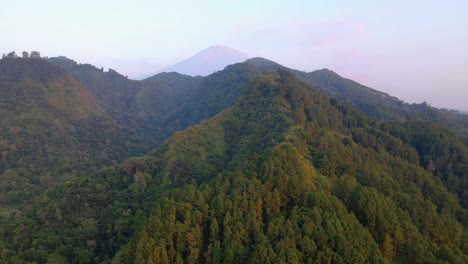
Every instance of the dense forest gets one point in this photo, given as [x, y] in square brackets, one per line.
[51, 129]
[269, 165]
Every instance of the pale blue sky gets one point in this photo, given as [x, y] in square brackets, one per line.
[415, 50]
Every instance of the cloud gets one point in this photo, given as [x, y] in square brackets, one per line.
[329, 33]
[299, 36]
[337, 44]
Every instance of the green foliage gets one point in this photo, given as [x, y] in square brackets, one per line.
[157, 107]
[50, 128]
[283, 175]
[191, 226]
[276, 207]
[440, 152]
[378, 105]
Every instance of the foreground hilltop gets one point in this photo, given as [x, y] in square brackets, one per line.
[283, 176]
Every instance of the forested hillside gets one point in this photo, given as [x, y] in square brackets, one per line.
[51, 129]
[283, 180]
[270, 165]
[374, 103]
[285, 175]
[169, 102]
[158, 106]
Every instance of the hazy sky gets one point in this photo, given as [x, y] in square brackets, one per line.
[415, 50]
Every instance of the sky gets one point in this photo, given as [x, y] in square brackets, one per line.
[414, 50]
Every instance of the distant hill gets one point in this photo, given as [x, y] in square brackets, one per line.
[206, 62]
[112, 90]
[376, 104]
[143, 104]
[156, 107]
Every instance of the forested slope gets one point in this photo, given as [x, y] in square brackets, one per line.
[285, 171]
[286, 174]
[376, 104]
[156, 107]
[51, 129]
[282, 180]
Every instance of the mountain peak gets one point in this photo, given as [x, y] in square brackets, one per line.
[207, 61]
[220, 49]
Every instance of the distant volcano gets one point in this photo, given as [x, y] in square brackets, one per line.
[206, 62]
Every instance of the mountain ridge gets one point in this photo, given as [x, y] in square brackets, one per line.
[277, 152]
[374, 103]
[370, 189]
